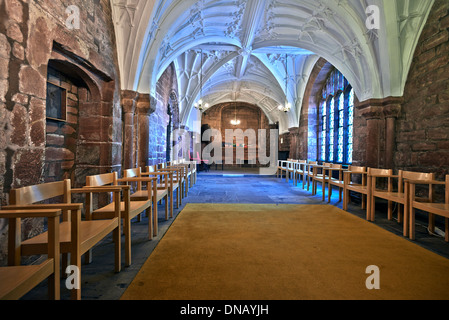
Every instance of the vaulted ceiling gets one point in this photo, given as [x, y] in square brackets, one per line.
[244, 48]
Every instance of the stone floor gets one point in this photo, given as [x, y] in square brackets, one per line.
[99, 282]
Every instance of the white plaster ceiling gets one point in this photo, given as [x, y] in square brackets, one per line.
[244, 44]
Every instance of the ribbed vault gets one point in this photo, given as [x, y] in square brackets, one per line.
[247, 45]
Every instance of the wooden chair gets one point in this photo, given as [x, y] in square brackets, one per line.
[77, 237]
[319, 175]
[400, 195]
[432, 208]
[361, 186]
[179, 178]
[291, 166]
[16, 281]
[282, 166]
[164, 180]
[335, 181]
[300, 170]
[309, 172]
[128, 209]
[373, 177]
[171, 178]
[191, 170]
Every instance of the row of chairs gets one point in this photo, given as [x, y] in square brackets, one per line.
[75, 228]
[372, 184]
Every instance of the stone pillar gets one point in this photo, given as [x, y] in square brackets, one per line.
[294, 143]
[391, 113]
[380, 115]
[145, 107]
[129, 105]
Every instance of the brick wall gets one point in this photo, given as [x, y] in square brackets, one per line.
[422, 134]
[159, 120]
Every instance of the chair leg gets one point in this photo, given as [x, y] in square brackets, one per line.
[150, 223]
[323, 189]
[446, 228]
[411, 222]
[372, 209]
[118, 249]
[166, 207]
[127, 230]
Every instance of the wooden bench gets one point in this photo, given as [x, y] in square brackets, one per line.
[16, 281]
[432, 208]
[128, 209]
[77, 237]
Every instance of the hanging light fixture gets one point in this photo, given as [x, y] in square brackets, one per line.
[287, 107]
[234, 121]
[200, 105]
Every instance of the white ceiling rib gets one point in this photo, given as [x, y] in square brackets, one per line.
[245, 42]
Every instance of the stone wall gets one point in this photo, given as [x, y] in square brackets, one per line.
[166, 98]
[33, 149]
[422, 131]
[251, 117]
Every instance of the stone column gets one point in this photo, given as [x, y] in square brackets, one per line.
[380, 115]
[129, 105]
[145, 107]
[391, 113]
[294, 143]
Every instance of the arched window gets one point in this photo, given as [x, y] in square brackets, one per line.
[336, 120]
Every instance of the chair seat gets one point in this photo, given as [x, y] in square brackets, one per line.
[336, 182]
[136, 207]
[16, 280]
[441, 209]
[396, 196]
[357, 188]
[88, 232]
[143, 195]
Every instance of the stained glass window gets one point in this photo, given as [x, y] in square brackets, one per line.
[341, 125]
[323, 134]
[350, 125]
[337, 120]
[331, 130]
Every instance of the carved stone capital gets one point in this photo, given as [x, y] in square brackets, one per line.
[389, 107]
[146, 104]
[294, 131]
[128, 100]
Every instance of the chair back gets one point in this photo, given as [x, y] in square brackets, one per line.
[132, 173]
[410, 175]
[41, 192]
[151, 169]
[102, 179]
[356, 169]
[379, 172]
